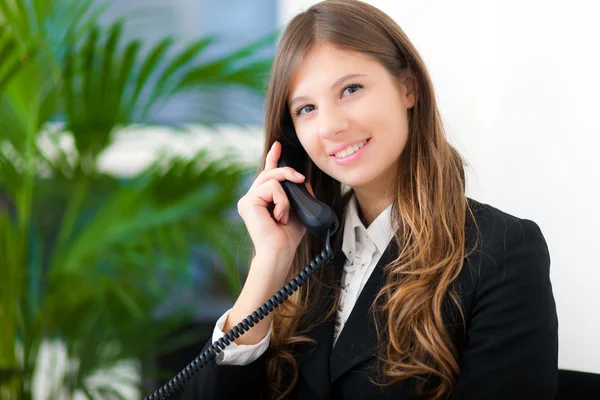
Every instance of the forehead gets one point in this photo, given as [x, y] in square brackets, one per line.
[324, 63]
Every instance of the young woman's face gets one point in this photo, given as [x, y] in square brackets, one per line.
[340, 98]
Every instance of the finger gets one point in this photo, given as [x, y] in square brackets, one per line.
[279, 174]
[273, 156]
[272, 192]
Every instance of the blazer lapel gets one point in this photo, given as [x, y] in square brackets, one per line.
[313, 362]
[358, 339]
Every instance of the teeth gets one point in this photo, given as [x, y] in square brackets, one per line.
[350, 150]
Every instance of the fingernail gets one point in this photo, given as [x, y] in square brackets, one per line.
[286, 217]
[299, 175]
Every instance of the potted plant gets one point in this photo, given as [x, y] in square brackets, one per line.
[86, 257]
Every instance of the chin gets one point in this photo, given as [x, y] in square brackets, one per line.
[354, 179]
[354, 183]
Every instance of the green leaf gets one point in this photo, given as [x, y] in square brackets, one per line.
[110, 50]
[165, 81]
[13, 56]
[149, 66]
[88, 58]
[232, 70]
[86, 391]
[13, 17]
[187, 55]
[107, 392]
[71, 103]
[125, 76]
[7, 45]
[128, 302]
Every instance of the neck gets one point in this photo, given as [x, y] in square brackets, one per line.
[373, 198]
[370, 205]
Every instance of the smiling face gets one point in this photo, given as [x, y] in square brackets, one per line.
[340, 98]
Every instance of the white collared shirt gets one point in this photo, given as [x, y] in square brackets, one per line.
[363, 247]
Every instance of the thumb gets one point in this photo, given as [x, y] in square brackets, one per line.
[310, 189]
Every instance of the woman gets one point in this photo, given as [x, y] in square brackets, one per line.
[432, 295]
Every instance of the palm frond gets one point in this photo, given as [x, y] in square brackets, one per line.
[97, 100]
[165, 80]
[148, 67]
[13, 55]
[235, 69]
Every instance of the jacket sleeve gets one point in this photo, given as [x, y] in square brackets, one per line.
[236, 372]
[511, 347]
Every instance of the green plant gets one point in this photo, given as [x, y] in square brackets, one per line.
[86, 258]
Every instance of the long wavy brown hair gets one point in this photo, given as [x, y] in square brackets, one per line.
[428, 212]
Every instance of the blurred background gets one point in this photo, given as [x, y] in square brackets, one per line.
[129, 130]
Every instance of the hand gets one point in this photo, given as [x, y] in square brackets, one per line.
[281, 232]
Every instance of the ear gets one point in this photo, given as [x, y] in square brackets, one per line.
[409, 91]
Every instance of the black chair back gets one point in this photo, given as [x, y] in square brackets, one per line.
[575, 385]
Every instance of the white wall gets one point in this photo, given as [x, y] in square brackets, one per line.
[518, 86]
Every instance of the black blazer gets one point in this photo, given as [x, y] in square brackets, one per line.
[509, 350]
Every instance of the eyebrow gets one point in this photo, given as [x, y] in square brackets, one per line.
[335, 84]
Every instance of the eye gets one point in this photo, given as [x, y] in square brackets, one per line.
[308, 108]
[351, 89]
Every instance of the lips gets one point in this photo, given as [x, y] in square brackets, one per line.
[352, 158]
[346, 145]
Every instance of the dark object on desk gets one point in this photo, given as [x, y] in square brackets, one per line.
[575, 385]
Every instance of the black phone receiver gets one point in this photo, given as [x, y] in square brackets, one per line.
[317, 216]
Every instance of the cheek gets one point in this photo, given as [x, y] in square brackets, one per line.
[399, 137]
[390, 127]
[310, 142]
[381, 110]
[388, 122]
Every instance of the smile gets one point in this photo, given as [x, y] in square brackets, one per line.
[351, 153]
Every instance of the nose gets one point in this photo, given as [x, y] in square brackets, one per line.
[331, 122]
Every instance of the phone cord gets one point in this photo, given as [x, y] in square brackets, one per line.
[211, 351]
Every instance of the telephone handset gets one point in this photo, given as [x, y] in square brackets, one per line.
[319, 219]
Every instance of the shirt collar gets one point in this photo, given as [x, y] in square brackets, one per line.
[379, 232]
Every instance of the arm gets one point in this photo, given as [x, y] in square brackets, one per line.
[236, 354]
[511, 348]
[228, 381]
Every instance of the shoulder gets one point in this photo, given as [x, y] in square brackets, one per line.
[510, 316]
[510, 250]
[500, 232]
